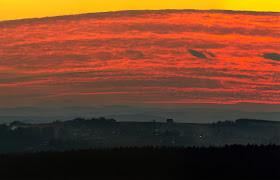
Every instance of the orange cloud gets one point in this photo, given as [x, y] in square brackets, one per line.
[142, 56]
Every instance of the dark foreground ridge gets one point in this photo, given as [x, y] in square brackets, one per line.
[230, 162]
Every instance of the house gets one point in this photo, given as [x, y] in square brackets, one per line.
[169, 121]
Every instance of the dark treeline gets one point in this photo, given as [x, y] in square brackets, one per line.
[228, 162]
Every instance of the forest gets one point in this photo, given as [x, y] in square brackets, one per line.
[232, 162]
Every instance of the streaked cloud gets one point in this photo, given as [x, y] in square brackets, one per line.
[141, 56]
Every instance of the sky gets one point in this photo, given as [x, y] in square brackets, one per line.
[138, 57]
[20, 9]
[141, 57]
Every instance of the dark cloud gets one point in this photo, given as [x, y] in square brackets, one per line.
[211, 54]
[104, 56]
[272, 56]
[167, 28]
[29, 61]
[106, 73]
[134, 54]
[164, 82]
[197, 54]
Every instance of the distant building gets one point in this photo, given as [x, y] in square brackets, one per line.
[169, 121]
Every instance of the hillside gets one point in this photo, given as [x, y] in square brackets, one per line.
[82, 133]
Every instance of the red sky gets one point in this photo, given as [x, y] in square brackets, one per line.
[141, 57]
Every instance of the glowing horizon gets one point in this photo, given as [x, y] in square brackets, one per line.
[22, 9]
